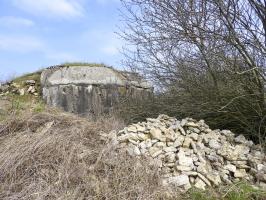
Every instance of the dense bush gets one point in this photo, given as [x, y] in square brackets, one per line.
[206, 58]
[240, 114]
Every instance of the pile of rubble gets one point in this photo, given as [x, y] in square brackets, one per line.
[29, 87]
[188, 153]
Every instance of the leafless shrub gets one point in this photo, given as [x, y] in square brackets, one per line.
[211, 54]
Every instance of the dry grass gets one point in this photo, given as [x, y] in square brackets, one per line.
[54, 155]
[50, 156]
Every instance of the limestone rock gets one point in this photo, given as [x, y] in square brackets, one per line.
[155, 151]
[214, 144]
[188, 153]
[214, 177]
[22, 92]
[177, 181]
[170, 157]
[200, 184]
[242, 140]
[30, 82]
[142, 136]
[230, 167]
[170, 149]
[194, 136]
[183, 168]
[31, 90]
[187, 142]
[140, 128]
[184, 160]
[157, 134]
[241, 173]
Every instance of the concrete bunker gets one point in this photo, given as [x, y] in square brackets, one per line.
[89, 90]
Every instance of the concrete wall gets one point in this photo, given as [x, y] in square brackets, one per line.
[90, 90]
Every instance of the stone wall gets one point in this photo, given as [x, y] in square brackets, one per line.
[90, 90]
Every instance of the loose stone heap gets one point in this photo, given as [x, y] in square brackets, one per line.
[188, 152]
[28, 87]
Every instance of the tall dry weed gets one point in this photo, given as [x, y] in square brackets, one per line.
[61, 156]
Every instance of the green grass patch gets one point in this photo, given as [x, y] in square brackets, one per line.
[39, 107]
[197, 194]
[36, 76]
[237, 191]
[30, 76]
[85, 64]
[19, 103]
[244, 191]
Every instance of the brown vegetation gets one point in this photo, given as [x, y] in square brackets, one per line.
[50, 156]
[207, 57]
[54, 155]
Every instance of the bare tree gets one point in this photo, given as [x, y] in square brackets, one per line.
[214, 50]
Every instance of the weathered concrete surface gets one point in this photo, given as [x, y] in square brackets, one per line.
[90, 90]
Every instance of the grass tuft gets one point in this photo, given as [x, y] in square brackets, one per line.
[86, 64]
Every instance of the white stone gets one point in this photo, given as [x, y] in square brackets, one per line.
[170, 144]
[240, 139]
[183, 168]
[136, 151]
[132, 129]
[200, 184]
[178, 181]
[227, 133]
[169, 149]
[183, 122]
[194, 136]
[192, 124]
[187, 142]
[31, 89]
[148, 143]
[183, 159]
[204, 179]
[142, 136]
[261, 167]
[187, 187]
[204, 168]
[154, 141]
[21, 92]
[155, 151]
[169, 164]
[241, 173]
[140, 128]
[143, 145]
[170, 157]
[157, 134]
[191, 179]
[230, 167]
[177, 143]
[181, 130]
[214, 144]
[133, 142]
[241, 150]
[160, 145]
[214, 178]
[30, 82]
[158, 162]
